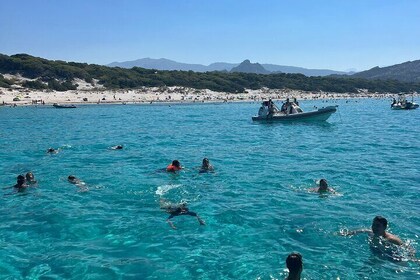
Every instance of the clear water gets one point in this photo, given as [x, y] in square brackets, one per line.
[256, 205]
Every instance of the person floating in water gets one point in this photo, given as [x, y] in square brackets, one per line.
[52, 151]
[323, 187]
[206, 166]
[178, 210]
[378, 229]
[79, 183]
[294, 265]
[174, 166]
[118, 147]
[30, 178]
[20, 183]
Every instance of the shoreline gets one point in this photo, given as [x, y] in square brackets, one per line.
[167, 96]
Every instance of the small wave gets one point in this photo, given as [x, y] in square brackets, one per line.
[161, 190]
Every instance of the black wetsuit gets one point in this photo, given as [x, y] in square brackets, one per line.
[181, 211]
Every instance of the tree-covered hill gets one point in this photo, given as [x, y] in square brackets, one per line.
[405, 72]
[61, 75]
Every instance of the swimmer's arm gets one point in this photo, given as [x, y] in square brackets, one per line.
[201, 221]
[354, 232]
[394, 239]
[168, 220]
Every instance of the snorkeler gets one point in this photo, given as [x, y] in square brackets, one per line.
[178, 210]
[76, 181]
[174, 166]
[206, 166]
[323, 187]
[52, 151]
[378, 229]
[20, 182]
[118, 147]
[30, 178]
[294, 265]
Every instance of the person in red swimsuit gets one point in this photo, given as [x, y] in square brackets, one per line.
[174, 166]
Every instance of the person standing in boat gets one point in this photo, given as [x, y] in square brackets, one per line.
[271, 108]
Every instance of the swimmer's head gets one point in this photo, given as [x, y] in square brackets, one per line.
[29, 176]
[20, 180]
[176, 163]
[206, 162]
[323, 185]
[72, 178]
[379, 224]
[294, 263]
[50, 150]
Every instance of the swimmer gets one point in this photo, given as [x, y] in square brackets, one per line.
[118, 147]
[378, 229]
[20, 183]
[174, 166]
[206, 166]
[30, 178]
[52, 151]
[295, 265]
[178, 210]
[323, 187]
[76, 181]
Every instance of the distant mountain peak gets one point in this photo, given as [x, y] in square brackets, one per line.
[247, 67]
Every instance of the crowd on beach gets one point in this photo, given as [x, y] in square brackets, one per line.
[377, 233]
[12, 97]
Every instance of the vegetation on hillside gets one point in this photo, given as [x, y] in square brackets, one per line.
[405, 72]
[60, 75]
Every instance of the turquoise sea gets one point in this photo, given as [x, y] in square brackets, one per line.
[256, 204]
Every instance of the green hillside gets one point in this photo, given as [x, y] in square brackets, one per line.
[405, 72]
[60, 75]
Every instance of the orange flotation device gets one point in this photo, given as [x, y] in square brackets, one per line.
[172, 168]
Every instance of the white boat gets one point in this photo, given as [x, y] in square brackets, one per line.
[292, 112]
[403, 104]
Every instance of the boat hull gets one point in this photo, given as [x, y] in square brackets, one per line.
[320, 115]
[412, 106]
[63, 106]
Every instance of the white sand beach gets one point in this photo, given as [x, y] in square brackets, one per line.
[168, 94]
[87, 93]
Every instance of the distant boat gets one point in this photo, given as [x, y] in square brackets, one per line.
[59, 106]
[403, 104]
[292, 112]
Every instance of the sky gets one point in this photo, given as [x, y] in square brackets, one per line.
[319, 34]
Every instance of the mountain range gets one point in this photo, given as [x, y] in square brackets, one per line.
[246, 67]
[44, 74]
[405, 72]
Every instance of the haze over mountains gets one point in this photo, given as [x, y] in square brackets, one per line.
[248, 67]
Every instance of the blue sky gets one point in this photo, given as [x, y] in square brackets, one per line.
[327, 34]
